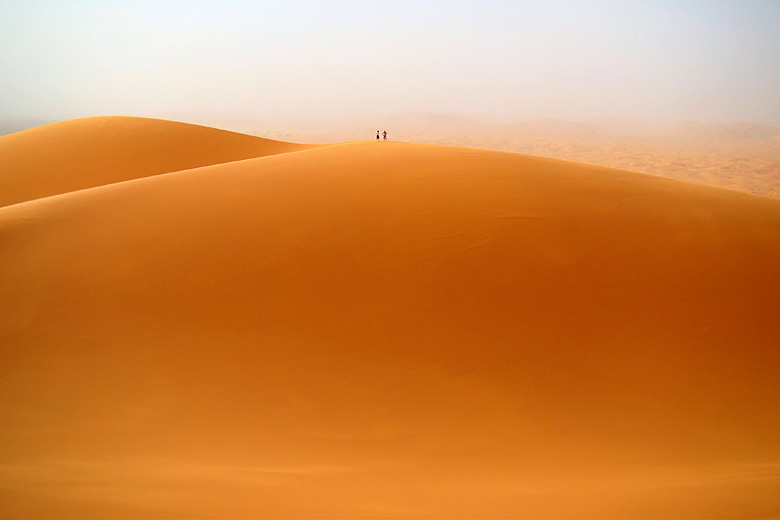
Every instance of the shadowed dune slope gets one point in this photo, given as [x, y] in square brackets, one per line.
[391, 330]
[84, 153]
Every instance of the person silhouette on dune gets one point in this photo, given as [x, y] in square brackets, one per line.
[384, 135]
[377, 135]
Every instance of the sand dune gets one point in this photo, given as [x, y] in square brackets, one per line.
[741, 156]
[84, 153]
[391, 330]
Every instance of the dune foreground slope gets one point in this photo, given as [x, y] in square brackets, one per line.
[95, 151]
[389, 330]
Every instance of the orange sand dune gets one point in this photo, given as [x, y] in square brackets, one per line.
[84, 153]
[386, 330]
[739, 156]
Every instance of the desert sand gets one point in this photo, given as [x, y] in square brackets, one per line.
[738, 156]
[84, 153]
[377, 330]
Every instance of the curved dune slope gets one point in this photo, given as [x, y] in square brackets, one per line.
[84, 153]
[391, 330]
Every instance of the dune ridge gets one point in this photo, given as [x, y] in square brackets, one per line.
[391, 330]
[738, 156]
[83, 153]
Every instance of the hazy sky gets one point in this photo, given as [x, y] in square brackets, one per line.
[705, 61]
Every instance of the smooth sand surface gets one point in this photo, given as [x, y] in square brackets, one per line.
[737, 156]
[389, 330]
[95, 151]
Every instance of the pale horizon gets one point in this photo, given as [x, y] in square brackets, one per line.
[704, 62]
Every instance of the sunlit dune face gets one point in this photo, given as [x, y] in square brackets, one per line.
[389, 330]
[96, 151]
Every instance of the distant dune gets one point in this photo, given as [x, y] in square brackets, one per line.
[380, 330]
[740, 156]
[84, 153]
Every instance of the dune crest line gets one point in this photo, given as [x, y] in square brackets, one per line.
[84, 153]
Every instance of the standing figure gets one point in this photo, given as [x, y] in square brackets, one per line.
[377, 135]
[384, 135]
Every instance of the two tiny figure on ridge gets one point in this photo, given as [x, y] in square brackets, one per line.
[384, 135]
